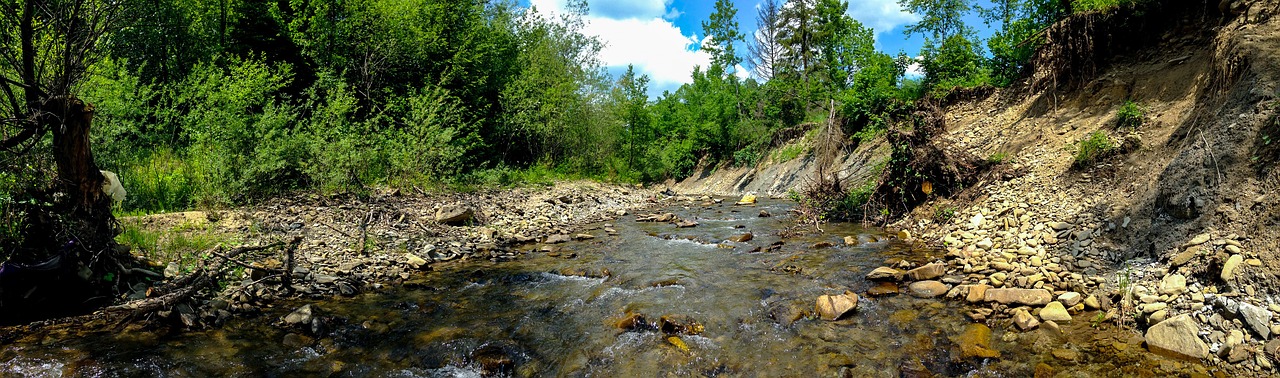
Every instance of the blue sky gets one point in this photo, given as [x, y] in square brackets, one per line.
[661, 37]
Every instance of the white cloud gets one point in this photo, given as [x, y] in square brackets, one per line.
[914, 71]
[639, 32]
[881, 15]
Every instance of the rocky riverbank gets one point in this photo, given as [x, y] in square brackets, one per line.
[351, 245]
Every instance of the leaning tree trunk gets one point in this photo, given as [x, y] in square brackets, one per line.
[74, 266]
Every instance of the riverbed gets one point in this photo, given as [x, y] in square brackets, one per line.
[634, 299]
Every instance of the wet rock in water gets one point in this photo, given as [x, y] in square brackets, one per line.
[454, 214]
[686, 224]
[1091, 302]
[765, 214]
[1066, 354]
[557, 239]
[743, 238]
[660, 218]
[1257, 318]
[679, 325]
[749, 199]
[1029, 297]
[834, 307]
[583, 237]
[820, 245]
[1055, 311]
[301, 316]
[976, 342]
[1043, 370]
[1230, 267]
[1024, 320]
[928, 289]
[678, 343]
[885, 274]
[927, 272]
[664, 282]
[786, 313]
[633, 322]
[294, 341]
[493, 360]
[1173, 284]
[883, 288]
[850, 240]
[1177, 337]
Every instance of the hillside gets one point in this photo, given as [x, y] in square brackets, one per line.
[1188, 193]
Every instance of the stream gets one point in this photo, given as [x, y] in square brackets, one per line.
[559, 313]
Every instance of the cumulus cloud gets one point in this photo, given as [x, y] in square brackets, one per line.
[881, 15]
[913, 70]
[639, 32]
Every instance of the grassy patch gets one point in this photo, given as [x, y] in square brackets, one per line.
[1092, 148]
[998, 157]
[789, 152]
[1130, 116]
[182, 244]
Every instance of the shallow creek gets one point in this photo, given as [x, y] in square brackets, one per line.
[545, 315]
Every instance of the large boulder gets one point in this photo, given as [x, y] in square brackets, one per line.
[1177, 337]
[454, 214]
[1055, 311]
[1028, 297]
[833, 307]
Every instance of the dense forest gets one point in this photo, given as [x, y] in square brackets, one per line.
[214, 103]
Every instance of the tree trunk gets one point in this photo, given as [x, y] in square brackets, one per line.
[78, 174]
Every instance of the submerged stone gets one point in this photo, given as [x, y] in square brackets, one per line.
[834, 307]
[976, 342]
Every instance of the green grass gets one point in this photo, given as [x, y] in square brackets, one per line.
[998, 157]
[789, 152]
[182, 244]
[1092, 148]
[1130, 116]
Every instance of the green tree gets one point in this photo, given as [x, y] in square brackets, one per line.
[723, 32]
[632, 99]
[939, 19]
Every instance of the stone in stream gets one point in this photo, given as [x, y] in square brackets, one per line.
[583, 237]
[1070, 298]
[883, 288]
[743, 238]
[885, 274]
[493, 360]
[1029, 297]
[686, 224]
[928, 289]
[454, 214]
[977, 293]
[633, 322]
[557, 239]
[976, 342]
[1177, 337]
[765, 214]
[834, 307]
[1055, 311]
[749, 199]
[850, 240]
[786, 313]
[1024, 320]
[927, 272]
[679, 325]
[301, 316]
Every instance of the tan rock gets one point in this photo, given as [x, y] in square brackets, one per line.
[1230, 267]
[1029, 297]
[977, 293]
[1055, 311]
[885, 274]
[928, 289]
[833, 307]
[975, 341]
[927, 272]
[1177, 337]
[1024, 320]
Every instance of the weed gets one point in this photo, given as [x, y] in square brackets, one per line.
[789, 152]
[1130, 116]
[998, 157]
[181, 245]
[1092, 148]
[943, 214]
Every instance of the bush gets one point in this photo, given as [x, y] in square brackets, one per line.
[998, 157]
[158, 182]
[1093, 147]
[1130, 116]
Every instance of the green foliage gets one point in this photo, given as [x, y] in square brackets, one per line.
[1081, 6]
[943, 214]
[789, 152]
[956, 63]
[158, 182]
[1093, 147]
[1130, 116]
[998, 157]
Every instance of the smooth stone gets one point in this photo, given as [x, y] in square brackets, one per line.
[985, 244]
[977, 293]
[1092, 303]
[302, 315]
[1055, 311]
[415, 261]
[927, 272]
[1029, 297]
[1059, 226]
[1173, 284]
[1229, 268]
[1177, 337]
[883, 289]
[1066, 354]
[885, 274]
[1198, 239]
[1184, 256]
[1070, 298]
[1024, 320]
[928, 289]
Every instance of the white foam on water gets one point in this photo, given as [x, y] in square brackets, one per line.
[32, 367]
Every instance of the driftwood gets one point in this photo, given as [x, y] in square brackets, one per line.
[205, 275]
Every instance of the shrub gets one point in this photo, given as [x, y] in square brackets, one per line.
[1130, 116]
[1092, 148]
[998, 157]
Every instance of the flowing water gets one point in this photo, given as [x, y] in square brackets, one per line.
[549, 314]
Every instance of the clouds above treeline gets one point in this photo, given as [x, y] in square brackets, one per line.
[656, 37]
